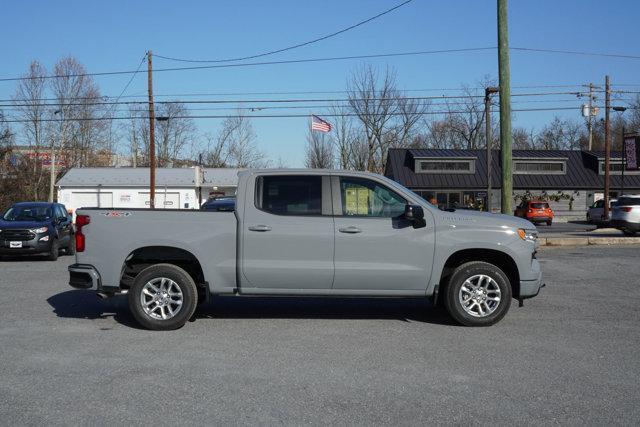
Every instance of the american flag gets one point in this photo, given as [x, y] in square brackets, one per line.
[320, 125]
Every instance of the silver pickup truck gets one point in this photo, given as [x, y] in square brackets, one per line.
[307, 233]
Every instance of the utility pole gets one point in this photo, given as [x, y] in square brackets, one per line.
[607, 146]
[52, 157]
[590, 125]
[487, 136]
[505, 109]
[152, 142]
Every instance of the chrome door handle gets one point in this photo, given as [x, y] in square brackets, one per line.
[260, 228]
[350, 230]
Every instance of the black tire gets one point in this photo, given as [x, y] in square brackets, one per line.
[55, 250]
[629, 233]
[452, 292]
[71, 249]
[189, 297]
[549, 223]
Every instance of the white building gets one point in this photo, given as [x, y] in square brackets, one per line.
[176, 188]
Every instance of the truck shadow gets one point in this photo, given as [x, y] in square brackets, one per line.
[80, 304]
[403, 309]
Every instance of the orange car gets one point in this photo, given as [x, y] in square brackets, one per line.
[535, 211]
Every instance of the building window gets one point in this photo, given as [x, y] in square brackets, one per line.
[615, 168]
[445, 166]
[530, 167]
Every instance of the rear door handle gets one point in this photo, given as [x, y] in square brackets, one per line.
[350, 230]
[260, 228]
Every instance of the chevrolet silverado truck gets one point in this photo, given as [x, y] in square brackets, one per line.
[307, 233]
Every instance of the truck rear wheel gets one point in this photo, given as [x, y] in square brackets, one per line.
[478, 294]
[163, 297]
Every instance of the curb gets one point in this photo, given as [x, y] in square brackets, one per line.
[587, 241]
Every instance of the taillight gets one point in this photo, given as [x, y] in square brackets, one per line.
[81, 221]
[625, 209]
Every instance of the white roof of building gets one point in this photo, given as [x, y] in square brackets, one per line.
[139, 177]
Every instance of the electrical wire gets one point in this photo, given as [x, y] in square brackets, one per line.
[272, 52]
[291, 115]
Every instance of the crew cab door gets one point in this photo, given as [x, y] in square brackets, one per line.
[377, 249]
[287, 233]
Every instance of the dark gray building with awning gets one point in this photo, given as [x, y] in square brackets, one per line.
[570, 180]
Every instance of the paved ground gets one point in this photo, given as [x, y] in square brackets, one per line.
[569, 356]
[565, 227]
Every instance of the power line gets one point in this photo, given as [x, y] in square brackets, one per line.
[307, 92]
[299, 100]
[575, 52]
[253, 64]
[312, 60]
[289, 115]
[272, 52]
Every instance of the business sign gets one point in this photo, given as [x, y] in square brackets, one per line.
[632, 152]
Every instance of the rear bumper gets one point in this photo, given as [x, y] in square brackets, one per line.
[622, 224]
[84, 276]
[539, 218]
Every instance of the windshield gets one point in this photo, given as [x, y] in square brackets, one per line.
[28, 213]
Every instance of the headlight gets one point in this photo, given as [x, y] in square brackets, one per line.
[528, 235]
[40, 230]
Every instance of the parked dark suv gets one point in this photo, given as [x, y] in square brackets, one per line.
[36, 228]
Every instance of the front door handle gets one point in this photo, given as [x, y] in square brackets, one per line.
[260, 228]
[350, 230]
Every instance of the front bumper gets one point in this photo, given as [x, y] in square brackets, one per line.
[33, 246]
[84, 276]
[531, 288]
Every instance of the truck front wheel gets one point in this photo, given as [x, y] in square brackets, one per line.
[163, 297]
[478, 294]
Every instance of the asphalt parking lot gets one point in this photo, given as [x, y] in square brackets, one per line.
[569, 356]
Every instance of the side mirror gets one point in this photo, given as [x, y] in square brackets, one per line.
[413, 212]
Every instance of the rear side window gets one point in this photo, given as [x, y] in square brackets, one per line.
[290, 195]
[628, 201]
[539, 205]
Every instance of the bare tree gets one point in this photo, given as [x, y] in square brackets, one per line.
[343, 136]
[559, 135]
[373, 100]
[216, 154]
[28, 100]
[240, 139]
[175, 130]
[82, 131]
[319, 153]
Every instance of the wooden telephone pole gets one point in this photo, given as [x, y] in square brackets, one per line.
[487, 132]
[505, 109]
[607, 146]
[152, 142]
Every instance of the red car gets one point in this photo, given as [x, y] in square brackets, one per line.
[535, 211]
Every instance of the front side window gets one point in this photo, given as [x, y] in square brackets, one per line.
[290, 195]
[362, 197]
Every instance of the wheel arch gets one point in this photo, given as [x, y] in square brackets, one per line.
[146, 256]
[498, 258]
